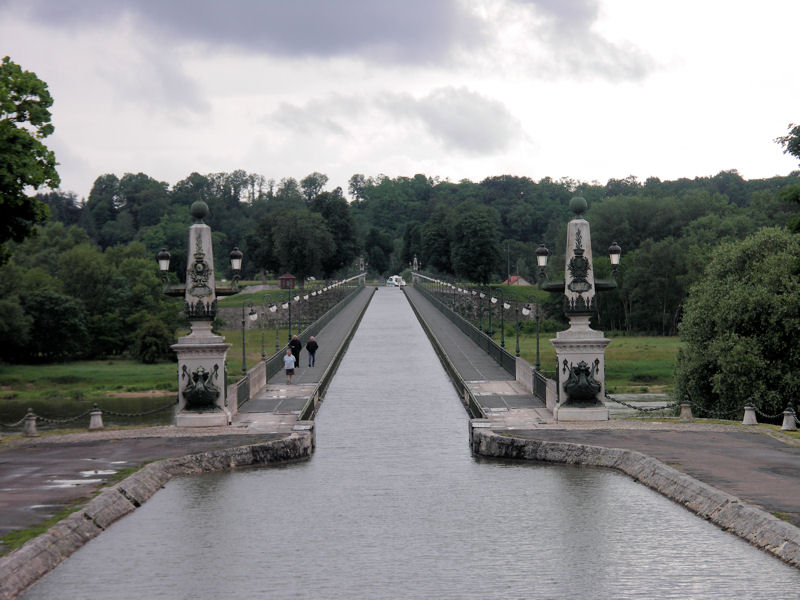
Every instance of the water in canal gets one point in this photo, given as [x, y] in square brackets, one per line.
[393, 505]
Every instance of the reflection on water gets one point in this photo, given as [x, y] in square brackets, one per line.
[394, 506]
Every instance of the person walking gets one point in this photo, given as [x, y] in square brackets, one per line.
[311, 348]
[288, 365]
[295, 346]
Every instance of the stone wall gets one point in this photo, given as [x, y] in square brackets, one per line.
[40, 555]
[728, 512]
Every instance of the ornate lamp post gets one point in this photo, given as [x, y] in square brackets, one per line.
[489, 301]
[481, 295]
[580, 350]
[253, 316]
[504, 306]
[202, 399]
[273, 308]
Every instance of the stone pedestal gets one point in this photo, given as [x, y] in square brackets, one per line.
[202, 400]
[580, 351]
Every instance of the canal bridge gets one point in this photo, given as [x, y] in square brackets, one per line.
[497, 389]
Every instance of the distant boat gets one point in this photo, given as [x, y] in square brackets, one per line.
[396, 281]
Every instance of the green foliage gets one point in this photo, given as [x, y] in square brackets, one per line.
[740, 326]
[474, 245]
[76, 299]
[15, 328]
[791, 141]
[24, 160]
[153, 340]
[58, 328]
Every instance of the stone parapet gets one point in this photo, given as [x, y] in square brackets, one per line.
[40, 555]
[757, 526]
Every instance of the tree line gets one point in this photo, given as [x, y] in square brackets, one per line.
[480, 232]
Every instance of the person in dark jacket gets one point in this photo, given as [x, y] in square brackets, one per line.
[295, 346]
[311, 348]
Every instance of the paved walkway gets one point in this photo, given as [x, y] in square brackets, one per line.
[275, 408]
[506, 402]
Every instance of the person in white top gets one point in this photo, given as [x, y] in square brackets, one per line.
[289, 364]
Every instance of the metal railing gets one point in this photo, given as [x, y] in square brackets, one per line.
[504, 358]
[274, 364]
[539, 385]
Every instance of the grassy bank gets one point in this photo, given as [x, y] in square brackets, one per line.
[634, 364]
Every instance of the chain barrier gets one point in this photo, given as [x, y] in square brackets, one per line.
[53, 421]
[766, 416]
[139, 414]
[639, 408]
[13, 425]
[62, 421]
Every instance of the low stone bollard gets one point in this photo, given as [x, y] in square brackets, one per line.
[749, 415]
[686, 413]
[29, 426]
[95, 419]
[789, 422]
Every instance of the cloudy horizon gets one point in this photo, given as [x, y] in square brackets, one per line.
[584, 89]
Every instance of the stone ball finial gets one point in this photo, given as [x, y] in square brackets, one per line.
[578, 205]
[199, 210]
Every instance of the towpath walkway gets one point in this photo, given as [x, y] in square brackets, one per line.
[275, 408]
[507, 403]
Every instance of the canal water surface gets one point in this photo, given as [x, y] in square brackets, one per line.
[393, 505]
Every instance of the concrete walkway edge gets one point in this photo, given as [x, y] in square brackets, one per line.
[40, 555]
[757, 526]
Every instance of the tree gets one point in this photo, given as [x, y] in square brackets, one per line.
[58, 327]
[473, 251]
[312, 185]
[740, 327]
[153, 340]
[24, 160]
[791, 145]
[336, 212]
[301, 242]
[791, 141]
[435, 240]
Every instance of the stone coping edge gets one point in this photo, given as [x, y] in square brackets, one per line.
[753, 524]
[42, 554]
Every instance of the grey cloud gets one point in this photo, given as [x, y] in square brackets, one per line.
[461, 119]
[155, 80]
[577, 50]
[383, 31]
[409, 31]
[317, 116]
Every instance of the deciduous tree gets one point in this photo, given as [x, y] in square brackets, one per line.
[740, 327]
[25, 162]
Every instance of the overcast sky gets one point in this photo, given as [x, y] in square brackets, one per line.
[585, 89]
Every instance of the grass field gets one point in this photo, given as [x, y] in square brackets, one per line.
[634, 364]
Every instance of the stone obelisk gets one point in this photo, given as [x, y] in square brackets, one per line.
[580, 350]
[202, 398]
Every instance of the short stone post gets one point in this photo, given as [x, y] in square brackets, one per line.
[29, 426]
[789, 423]
[686, 413]
[749, 415]
[95, 418]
